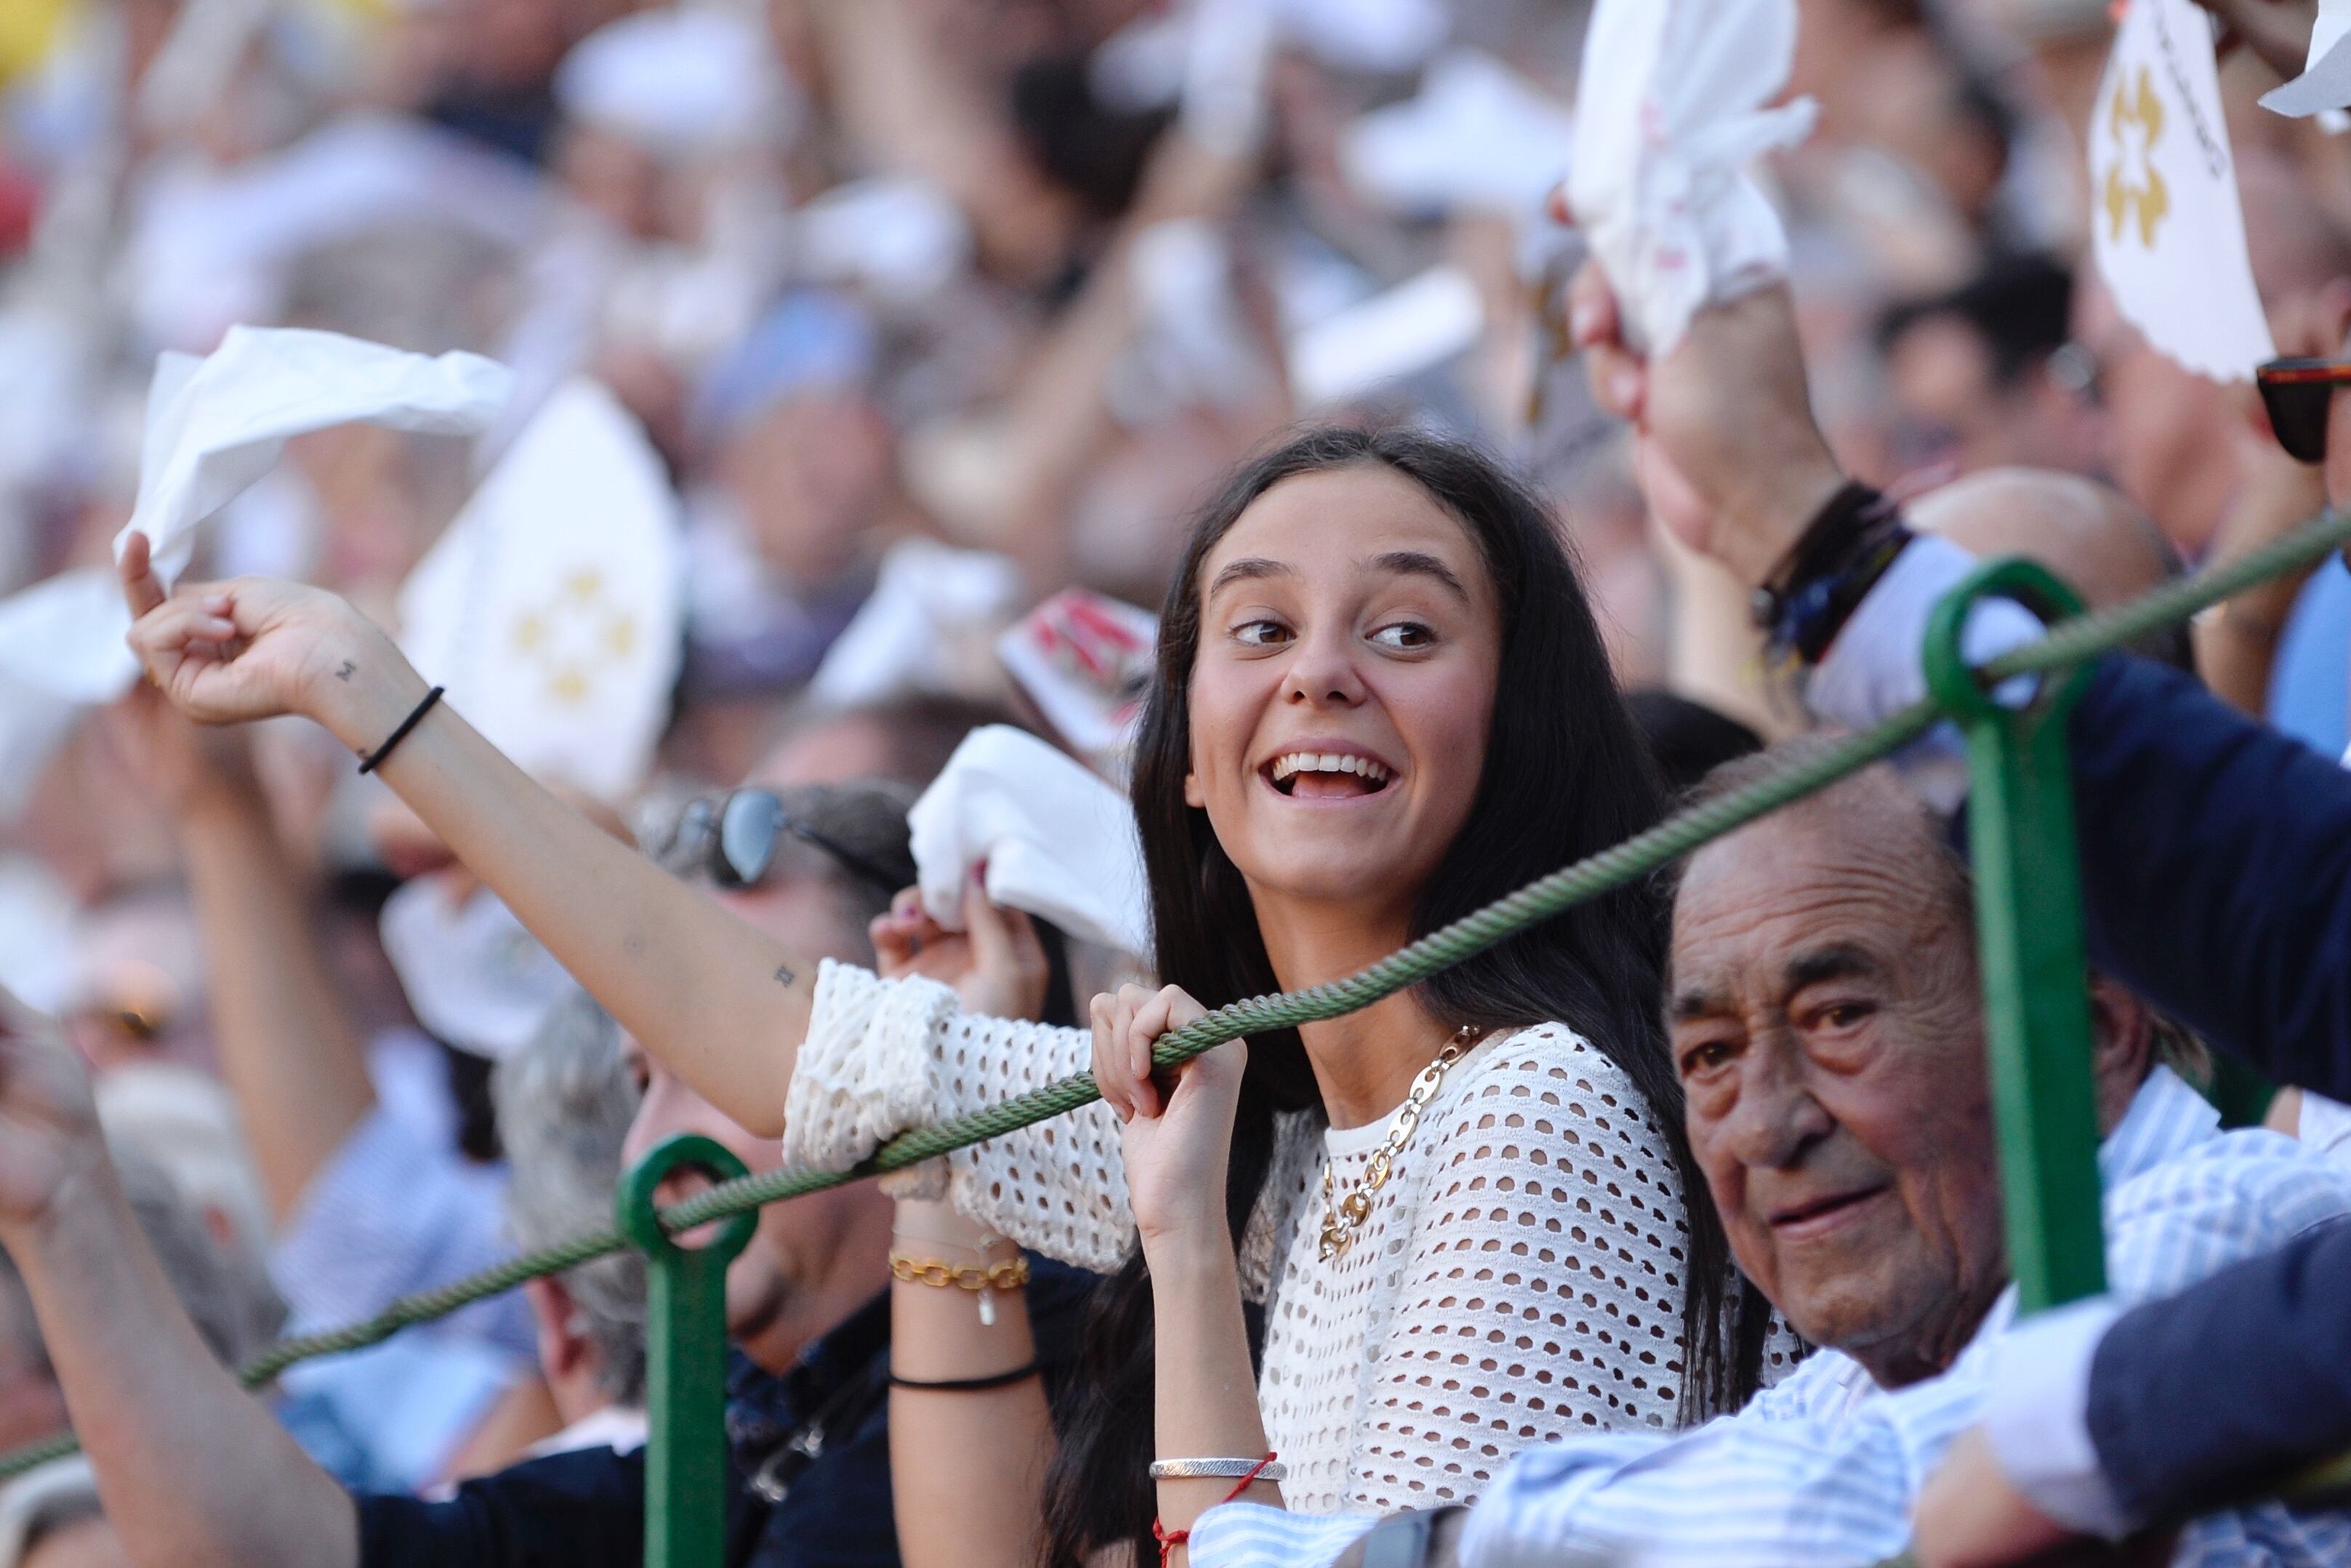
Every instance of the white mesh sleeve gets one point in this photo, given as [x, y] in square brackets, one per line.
[1542, 1295]
[882, 1056]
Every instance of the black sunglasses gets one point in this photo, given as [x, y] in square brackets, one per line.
[733, 838]
[2299, 394]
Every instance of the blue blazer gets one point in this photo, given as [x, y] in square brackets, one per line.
[2216, 872]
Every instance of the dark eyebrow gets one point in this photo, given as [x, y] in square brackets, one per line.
[1699, 1002]
[1838, 961]
[1420, 563]
[1248, 568]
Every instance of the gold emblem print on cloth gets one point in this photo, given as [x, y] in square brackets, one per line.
[2134, 188]
[574, 636]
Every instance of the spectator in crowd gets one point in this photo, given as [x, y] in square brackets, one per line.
[1977, 375]
[805, 1309]
[52, 1515]
[565, 1101]
[1826, 1022]
[2205, 841]
[1460, 590]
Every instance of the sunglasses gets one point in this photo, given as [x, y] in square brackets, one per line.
[2298, 394]
[733, 840]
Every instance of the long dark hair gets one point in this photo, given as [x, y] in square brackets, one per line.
[1565, 774]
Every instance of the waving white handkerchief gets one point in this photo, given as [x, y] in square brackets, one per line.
[1668, 113]
[1058, 842]
[2167, 224]
[214, 426]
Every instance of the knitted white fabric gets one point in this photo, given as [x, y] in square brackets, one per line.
[1518, 1279]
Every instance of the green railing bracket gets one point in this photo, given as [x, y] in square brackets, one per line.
[685, 1352]
[2035, 963]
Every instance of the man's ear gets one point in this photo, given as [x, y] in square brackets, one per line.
[551, 1314]
[2122, 1047]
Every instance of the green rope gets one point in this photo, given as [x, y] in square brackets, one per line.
[1645, 853]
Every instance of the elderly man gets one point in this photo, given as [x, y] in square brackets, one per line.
[1825, 1023]
[193, 1472]
[2216, 859]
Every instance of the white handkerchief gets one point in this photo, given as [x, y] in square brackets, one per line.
[1478, 136]
[2325, 80]
[1416, 326]
[1668, 113]
[1058, 842]
[2165, 221]
[553, 607]
[934, 611]
[214, 426]
[473, 974]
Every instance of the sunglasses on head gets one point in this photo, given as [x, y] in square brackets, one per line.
[733, 838]
[2299, 394]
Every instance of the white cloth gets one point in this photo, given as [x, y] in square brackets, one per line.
[1057, 841]
[2325, 1128]
[683, 83]
[616, 1427]
[2165, 222]
[1416, 326]
[215, 427]
[1824, 1469]
[1477, 137]
[1668, 113]
[934, 611]
[472, 974]
[2325, 83]
[553, 607]
[2037, 1416]
[1874, 669]
[1520, 1279]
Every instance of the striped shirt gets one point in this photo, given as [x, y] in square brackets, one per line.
[1823, 1469]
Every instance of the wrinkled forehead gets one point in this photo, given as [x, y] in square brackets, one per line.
[1753, 909]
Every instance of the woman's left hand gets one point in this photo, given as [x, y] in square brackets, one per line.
[1177, 1141]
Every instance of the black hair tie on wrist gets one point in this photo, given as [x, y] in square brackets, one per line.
[369, 763]
[970, 1384]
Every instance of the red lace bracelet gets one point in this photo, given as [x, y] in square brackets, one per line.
[1169, 1539]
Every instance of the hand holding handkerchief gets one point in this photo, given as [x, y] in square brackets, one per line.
[1668, 113]
[1057, 841]
[214, 426]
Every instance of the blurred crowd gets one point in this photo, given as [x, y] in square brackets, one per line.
[941, 318]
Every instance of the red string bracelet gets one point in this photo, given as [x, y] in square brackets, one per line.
[1169, 1539]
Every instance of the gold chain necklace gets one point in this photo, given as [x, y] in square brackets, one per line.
[1341, 1217]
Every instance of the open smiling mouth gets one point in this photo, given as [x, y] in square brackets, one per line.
[1326, 776]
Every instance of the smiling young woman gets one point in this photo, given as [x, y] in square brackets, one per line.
[1381, 702]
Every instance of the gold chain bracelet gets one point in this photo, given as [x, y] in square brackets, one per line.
[1009, 1275]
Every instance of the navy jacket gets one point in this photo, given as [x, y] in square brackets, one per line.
[587, 1510]
[2216, 869]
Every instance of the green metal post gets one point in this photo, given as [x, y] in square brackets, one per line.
[686, 1350]
[2029, 936]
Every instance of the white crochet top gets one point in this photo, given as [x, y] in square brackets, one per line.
[1519, 1278]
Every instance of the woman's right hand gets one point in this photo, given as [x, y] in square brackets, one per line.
[225, 652]
[1176, 1143]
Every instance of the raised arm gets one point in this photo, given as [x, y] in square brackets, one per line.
[193, 1472]
[722, 1003]
[288, 1047]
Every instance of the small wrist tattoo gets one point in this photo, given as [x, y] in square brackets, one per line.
[347, 672]
[784, 973]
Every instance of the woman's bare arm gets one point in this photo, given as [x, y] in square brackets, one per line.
[723, 1004]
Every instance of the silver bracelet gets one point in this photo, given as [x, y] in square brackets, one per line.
[1218, 1469]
